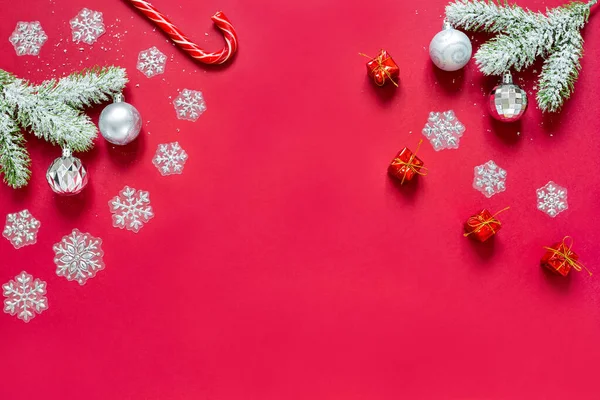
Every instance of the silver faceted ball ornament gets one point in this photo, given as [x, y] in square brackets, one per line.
[67, 175]
[508, 101]
[450, 49]
[120, 122]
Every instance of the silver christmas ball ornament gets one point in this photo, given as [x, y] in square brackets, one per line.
[508, 101]
[67, 175]
[120, 122]
[450, 49]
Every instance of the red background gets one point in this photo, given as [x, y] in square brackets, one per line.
[284, 263]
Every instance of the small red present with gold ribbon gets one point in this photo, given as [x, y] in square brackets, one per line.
[406, 165]
[483, 225]
[383, 69]
[560, 258]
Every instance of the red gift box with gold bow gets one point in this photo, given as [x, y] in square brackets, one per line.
[559, 258]
[483, 225]
[406, 165]
[383, 69]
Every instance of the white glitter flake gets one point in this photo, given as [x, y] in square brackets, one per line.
[131, 209]
[489, 179]
[87, 26]
[21, 229]
[552, 199]
[25, 297]
[189, 105]
[169, 158]
[28, 38]
[78, 256]
[443, 130]
[151, 62]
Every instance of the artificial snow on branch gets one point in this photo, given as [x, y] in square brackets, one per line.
[522, 37]
[52, 111]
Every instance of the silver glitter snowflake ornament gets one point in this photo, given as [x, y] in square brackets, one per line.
[489, 179]
[21, 229]
[189, 105]
[169, 158]
[28, 38]
[151, 62]
[78, 256]
[443, 130]
[25, 297]
[552, 199]
[87, 26]
[131, 209]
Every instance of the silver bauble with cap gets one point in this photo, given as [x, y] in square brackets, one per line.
[120, 122]
[450, 49]
[67, 175]
[508, 101]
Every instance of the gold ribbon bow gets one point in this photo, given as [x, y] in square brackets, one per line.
[380, 67]
[417, 169]
[566, 254]
[478, 223]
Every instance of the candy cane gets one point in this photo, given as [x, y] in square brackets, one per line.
[184, 43]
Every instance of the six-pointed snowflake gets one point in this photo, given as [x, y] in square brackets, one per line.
[21, 229]
[189, 105]
[131, 209]
[28, 38]
[169, 158]
[25, 297]
[552, 199]
[78, 256]
[443, 130]
[87, 26]
[489, 179]
[151, 62]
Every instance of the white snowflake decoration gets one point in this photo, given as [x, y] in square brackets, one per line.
[28, 38]
[78, 256]
[25, 297]
[151, 62]
[87, 26]
[489, 179]
[189, 105]
[443, 130]
[169, 158]
[552, 199]
[21, 229]
[131, 209]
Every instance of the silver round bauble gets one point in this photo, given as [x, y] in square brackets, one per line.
[508, 101]
[67, 175]
[120, 122]
[450, 49]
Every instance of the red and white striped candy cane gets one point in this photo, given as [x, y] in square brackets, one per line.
[184, 43]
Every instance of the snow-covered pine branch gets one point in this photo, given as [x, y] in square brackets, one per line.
[523, 36]
[52, 111]
[14, 160]
[85, 88]
[559, 74]
[48, 118]
[488, 16]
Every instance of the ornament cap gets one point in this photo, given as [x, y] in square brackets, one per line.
[66, 152]
[118, 98]
[446, 25]
[507, 78]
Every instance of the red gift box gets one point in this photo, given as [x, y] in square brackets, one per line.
[483, 225]
[383, 68]
[559, 258]
[406, 165]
